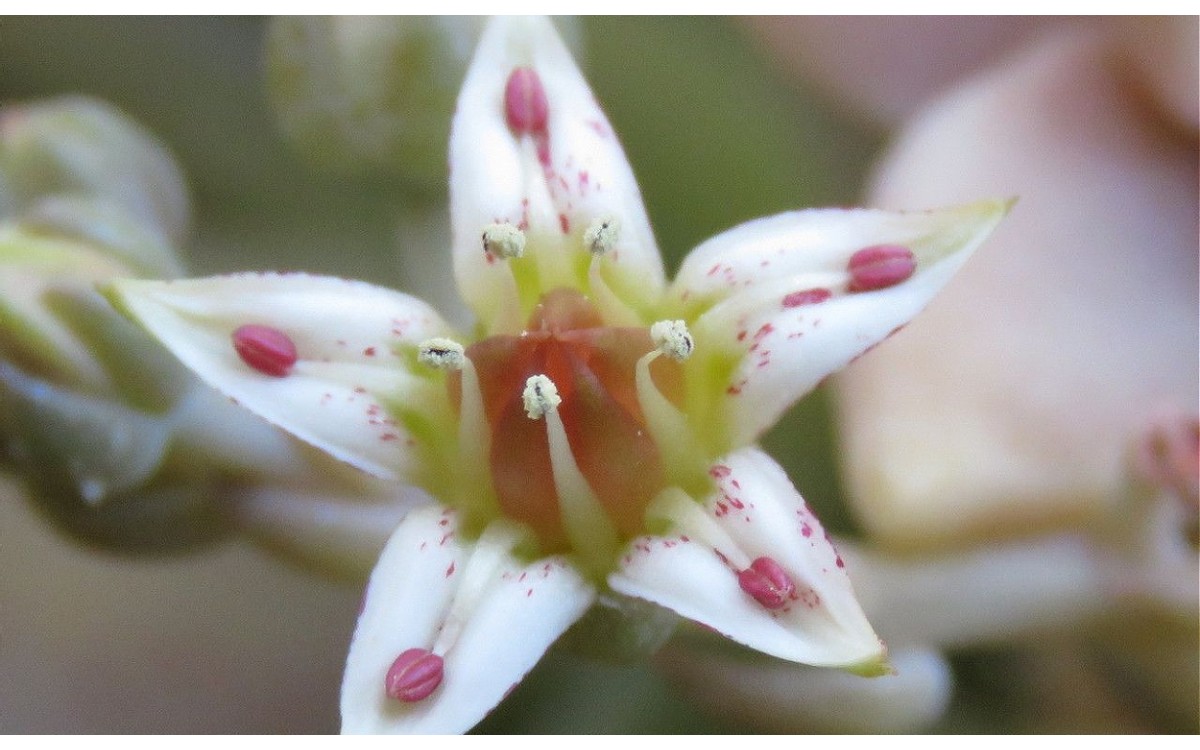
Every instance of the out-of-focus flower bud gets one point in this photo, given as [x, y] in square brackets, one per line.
[374, 94]
[88, 149]
[116, 443]
[55, 326]
[101, 447]
[107, 225]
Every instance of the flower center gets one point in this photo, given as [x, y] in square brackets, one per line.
[593, 369]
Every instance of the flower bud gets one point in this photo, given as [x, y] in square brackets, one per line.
[103, 447]
[53, 324]
[368, 94]
[109, 227]
[86, 148]
[97, 469]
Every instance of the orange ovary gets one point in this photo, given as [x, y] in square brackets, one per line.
[594, 369]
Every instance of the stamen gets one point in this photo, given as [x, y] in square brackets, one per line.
[672, 339]
[879, 267]
[590, 530]
[525, 106]
[474, 444]
[666, 423]
[540, 396]
[493, 552]
[442, 354]
[414, 675]
[688, 517]
[503, 241]
[268, 350]
[614, 310]
[767, 582]
[601, 235]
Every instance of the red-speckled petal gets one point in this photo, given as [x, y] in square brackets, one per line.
[488, 615]
[346, 335]
[789, 296]
[754, 513]
[531, 147]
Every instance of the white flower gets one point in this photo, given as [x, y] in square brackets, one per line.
[569, 457]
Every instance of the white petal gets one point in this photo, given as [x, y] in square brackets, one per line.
[755, 512]
[749, 278]
[489, 615]
[347, 336]
[496, 175]
[410, 590]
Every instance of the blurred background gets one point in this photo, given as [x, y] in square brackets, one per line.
[1075, 332]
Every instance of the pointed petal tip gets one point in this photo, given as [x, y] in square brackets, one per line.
[798, 296]
[117, 291]
[989, 210]
[878, 665]
[754, 513]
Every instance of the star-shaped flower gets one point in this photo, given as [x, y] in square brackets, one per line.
[595, 437]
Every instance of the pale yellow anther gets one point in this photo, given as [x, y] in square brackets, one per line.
[540, 396]
[601, 235]
[503, 240]
[672, 339]
[442, 354]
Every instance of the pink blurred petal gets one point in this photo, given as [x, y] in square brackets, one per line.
[1011, 402]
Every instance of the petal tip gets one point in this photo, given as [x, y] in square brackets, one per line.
[878, 665]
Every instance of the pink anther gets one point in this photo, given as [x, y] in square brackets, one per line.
[767, 582]
[879, 267]
[268, 350]
[525, 107]
[414, 675]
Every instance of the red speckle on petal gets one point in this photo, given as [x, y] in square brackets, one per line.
[806, 297]
[414, 675]
[767, 582]
[525, 107]
[880, 266]
[542, 141]
[719, 471]
[369, 351]
[564, 223]
[268, 350]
